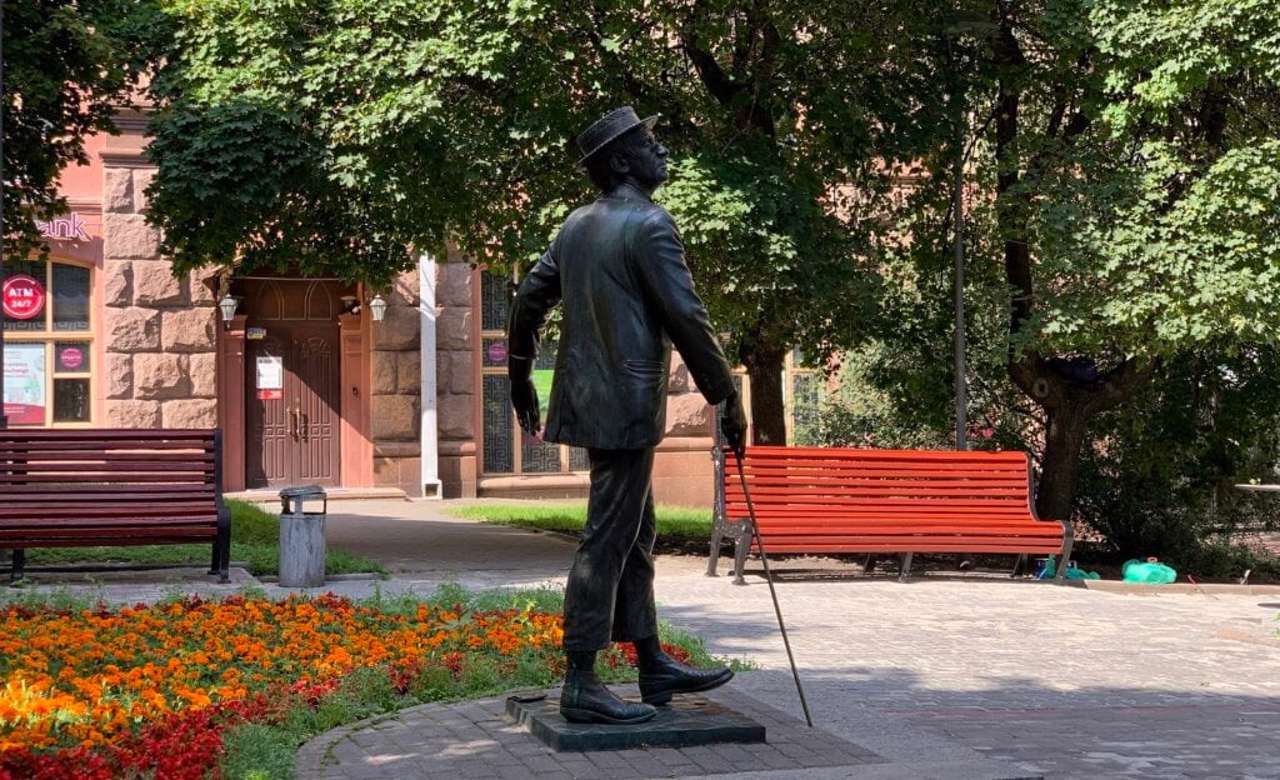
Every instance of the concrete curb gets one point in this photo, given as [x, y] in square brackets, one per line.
[1111, 586]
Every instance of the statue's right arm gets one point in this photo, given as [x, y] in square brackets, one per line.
[539, 292]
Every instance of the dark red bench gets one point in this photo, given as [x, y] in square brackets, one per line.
[86, 487]
[827, 500]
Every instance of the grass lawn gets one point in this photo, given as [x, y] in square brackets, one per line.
[677, 526]
[255, 539]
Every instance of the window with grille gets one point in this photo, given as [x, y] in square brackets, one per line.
[506, 449]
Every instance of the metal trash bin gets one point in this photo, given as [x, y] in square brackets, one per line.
[302, 545]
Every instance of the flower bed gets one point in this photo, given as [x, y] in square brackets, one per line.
[153, 690]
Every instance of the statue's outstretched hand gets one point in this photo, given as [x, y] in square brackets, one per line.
[524, 395]
[734, 424]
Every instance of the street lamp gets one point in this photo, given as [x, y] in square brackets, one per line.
[378, 307]
[228, 306]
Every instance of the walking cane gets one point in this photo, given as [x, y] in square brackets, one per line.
[768, 575]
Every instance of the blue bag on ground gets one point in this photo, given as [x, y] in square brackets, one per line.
[1148, 573]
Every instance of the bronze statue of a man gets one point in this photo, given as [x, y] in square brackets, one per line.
[617, 266]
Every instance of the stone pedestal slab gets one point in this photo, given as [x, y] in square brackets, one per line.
[687, 721]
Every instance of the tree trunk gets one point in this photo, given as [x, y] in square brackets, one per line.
[1064, 436]
[765, 368]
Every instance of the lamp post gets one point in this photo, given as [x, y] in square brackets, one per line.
[980, 28]
[957, 212]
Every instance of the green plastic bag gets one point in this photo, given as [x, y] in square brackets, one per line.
[1073, 573]
[1148, 573]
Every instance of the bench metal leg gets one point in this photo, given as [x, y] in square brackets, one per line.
[714, 558]
[1018, 565]
[222, 549]
[740, 550]
[904, 570]
[19, 566]
[215, 564]
[1068, 542]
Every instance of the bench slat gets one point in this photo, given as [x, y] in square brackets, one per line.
[114, 537]
[180, 478]
[141, 466]
[174, 509]
[9, 460]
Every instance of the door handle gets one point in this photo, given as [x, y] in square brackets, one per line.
[293, 422]
[306, 425]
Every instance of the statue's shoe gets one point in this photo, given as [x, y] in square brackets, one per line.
[667, 677]
[584, 699]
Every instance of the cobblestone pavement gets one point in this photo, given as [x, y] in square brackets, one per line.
[475, 739]
[1060, 681]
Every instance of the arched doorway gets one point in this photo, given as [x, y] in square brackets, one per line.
[292, 381]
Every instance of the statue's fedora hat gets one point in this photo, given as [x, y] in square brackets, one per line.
[610, 127]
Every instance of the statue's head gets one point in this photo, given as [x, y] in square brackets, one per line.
[620, 148]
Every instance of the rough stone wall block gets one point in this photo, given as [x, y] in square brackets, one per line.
[409, 372]
[117, 191]
[203, 367]
[133, 414]
[118, 283]
[453, 284]
[688, 415]
[161, 376]
[384, 372]
[132, 330]
[455, 417]
[399, 330]
[155, 285]
[119, 376]
[453, 329]
[128, 236]
[190, 413]
[141, 180]
[395, 418]
[189, 330]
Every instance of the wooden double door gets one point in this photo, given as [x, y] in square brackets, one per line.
[292, 388]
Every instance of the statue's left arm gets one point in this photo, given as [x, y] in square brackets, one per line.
[665, 276]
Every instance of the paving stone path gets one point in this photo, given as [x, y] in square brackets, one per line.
[475, 739]
[931, 676]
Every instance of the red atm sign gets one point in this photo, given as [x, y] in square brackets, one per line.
[22, 297]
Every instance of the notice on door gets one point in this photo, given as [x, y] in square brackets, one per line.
[270, 378]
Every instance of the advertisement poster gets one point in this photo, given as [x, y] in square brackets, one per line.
[24, 383]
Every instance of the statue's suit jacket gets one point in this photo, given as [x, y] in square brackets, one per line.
[618, 266]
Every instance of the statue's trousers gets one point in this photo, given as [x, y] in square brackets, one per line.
[610, 591]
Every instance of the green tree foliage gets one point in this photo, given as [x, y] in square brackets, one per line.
[1161, 479]
[1124, 177]
[337, 135]
[67, 66]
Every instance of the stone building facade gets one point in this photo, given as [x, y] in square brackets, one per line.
[304, 384]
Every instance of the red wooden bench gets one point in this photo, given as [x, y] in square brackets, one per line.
[828, 500]
[85, 487]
